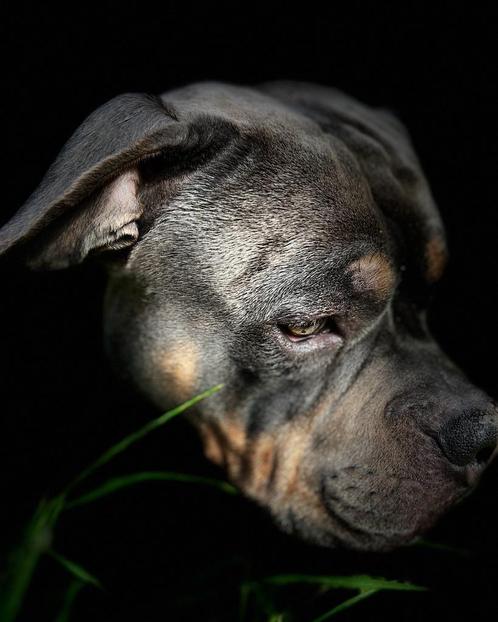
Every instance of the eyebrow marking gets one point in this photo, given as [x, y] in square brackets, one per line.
[373, 273]
[180, 364]
[436, 257]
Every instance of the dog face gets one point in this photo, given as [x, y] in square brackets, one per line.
[283, 241]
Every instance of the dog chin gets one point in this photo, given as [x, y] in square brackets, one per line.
[359, 539]
[341, 531]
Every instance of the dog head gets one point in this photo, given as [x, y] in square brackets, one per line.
[281, 240]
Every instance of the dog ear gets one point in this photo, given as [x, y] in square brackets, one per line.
[88, 200]
[383, 148]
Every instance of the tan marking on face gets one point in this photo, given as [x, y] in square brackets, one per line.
[212, 445]
[295, 443]
[435, 259]
[273, 467]
[180, 365]
[268, 466]
[261, 462]
[234, 447]
[373, 272]
[225, 444]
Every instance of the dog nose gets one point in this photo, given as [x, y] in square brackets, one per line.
[470, 438]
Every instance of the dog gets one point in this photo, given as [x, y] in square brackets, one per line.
[281, 240]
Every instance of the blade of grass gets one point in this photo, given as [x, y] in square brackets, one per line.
[38, 533]
[264, 600]
[119, 447]
[245, 590]
[75, 569]
[117, 483]
[261, 596]
[345, 605]
[354, 582]
[36, 541]
[72, 591]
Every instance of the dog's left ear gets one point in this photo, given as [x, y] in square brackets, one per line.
[87, 201]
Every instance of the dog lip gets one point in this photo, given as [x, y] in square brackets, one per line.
[362, 537]
[357, 533]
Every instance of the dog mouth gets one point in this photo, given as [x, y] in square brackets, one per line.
[379, 514]
[351, 530]
[365, 521]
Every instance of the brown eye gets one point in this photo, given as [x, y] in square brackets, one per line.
[307, 329]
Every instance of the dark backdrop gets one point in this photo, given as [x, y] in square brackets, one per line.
[179, 550]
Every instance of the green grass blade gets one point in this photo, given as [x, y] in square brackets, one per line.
[72, 591]
[354, 582]
[260, 595]
[76, 570]
[345, 605]
[136, 436]
[36, 541]
[117, 483]
[264, 600]
[38, 534]
[245, 590]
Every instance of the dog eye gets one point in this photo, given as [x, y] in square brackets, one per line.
[307, 329]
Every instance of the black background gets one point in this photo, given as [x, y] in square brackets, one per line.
[166, 551]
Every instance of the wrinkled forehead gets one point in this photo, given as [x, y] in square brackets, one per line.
[303, 278]
[286, 210]
[243, 107]
[284, 164]
[302, 218]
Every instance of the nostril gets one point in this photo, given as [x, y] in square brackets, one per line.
[483, 455]
[469, 438]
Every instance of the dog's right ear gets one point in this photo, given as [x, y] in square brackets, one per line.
[88, 200]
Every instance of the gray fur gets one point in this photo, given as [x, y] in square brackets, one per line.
[225, 212]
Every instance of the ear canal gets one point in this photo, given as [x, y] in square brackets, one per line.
[104, 222]
[87, 201]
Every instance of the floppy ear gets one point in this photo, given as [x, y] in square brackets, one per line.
[88, 200]
[385, 153]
